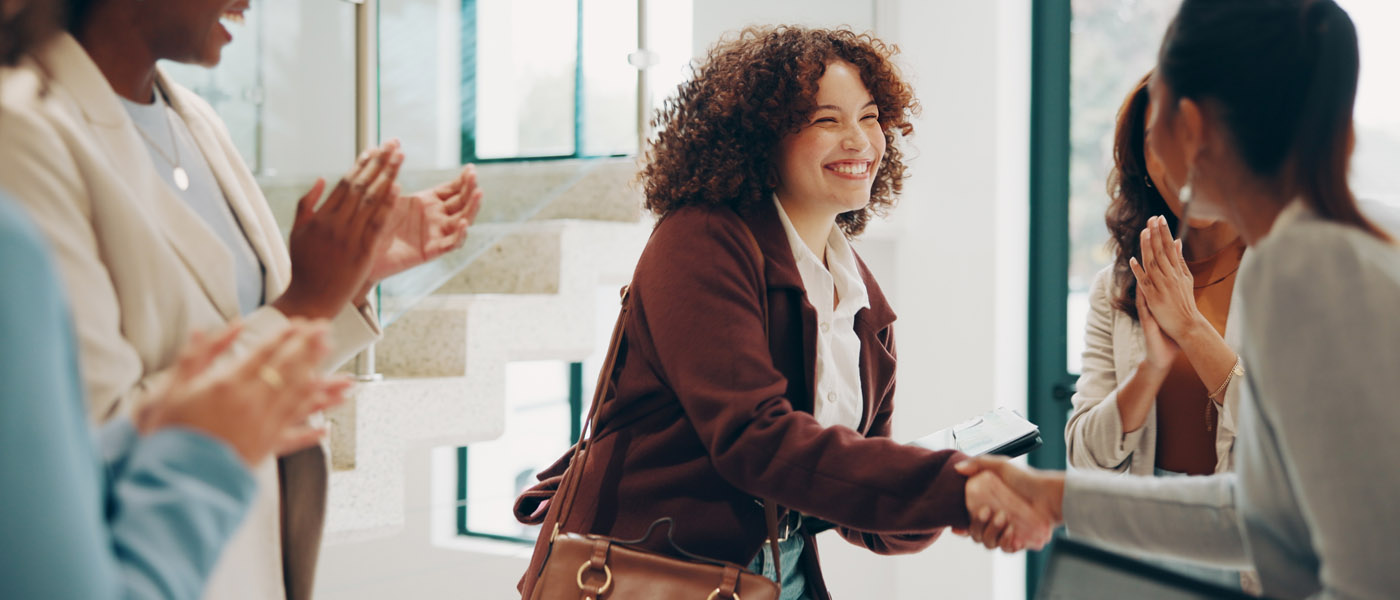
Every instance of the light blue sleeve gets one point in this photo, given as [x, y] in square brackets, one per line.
[148, 522]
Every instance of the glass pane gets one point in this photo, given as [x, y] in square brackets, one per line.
[524, 79]
[420, 81]
[609, 81]
[669, 33]
[537, 434]
[286, 91]
[1113, 43]
[1374, 176]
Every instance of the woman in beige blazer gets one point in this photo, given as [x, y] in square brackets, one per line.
[1152, 395]
[144, 270]
[1113, 426]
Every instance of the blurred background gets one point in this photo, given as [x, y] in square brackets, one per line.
[491, 353]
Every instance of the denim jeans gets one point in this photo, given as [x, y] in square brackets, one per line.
[794, 581]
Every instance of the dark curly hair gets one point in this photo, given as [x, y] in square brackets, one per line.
[1133, 197]
[717, 140]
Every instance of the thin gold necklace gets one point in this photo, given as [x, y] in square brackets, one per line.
[182, 179]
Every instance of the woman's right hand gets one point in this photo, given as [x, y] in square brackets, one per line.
[1161, 349]
[258, 404]
[333, 247]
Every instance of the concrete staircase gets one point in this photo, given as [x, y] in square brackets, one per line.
[550, 233]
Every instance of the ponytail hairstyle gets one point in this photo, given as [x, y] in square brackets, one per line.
[1284, 75]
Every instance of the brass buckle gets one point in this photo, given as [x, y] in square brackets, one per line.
[607, 582]
[788, 528]
[715, 594]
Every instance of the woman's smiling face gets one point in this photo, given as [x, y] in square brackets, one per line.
[829, 165]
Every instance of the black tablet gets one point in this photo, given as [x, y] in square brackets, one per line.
[1078, 571]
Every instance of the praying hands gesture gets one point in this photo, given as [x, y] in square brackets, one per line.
[1011, 508]
[1171, 321]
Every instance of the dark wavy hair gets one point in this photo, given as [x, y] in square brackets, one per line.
[1132, 196]
[717, 140]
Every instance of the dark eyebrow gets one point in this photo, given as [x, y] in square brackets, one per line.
[837, 108]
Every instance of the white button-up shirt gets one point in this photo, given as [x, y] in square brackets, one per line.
[838, 396]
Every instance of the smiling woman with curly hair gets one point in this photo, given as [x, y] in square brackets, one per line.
[719, 137]
[757, 356]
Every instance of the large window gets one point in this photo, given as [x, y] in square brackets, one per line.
[544, 403]
[1087, 54]
[1114, 42]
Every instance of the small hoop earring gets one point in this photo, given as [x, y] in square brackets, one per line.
[1147, 179]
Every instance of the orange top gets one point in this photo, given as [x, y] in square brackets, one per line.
[1186, 416]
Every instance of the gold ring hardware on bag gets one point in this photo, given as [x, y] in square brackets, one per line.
[715, 594]
[607, 581]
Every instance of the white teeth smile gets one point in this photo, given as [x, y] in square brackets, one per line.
[851, 168]
[233, 17]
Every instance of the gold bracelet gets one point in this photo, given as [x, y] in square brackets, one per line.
[1235, 371]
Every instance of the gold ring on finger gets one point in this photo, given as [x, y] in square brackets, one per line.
[271, 377]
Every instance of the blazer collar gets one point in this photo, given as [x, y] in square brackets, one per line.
[69, 66]
[227, 166]
[780, 267]
[84, 85]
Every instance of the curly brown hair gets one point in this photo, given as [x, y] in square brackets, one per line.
[717, 140]
[1133, 197]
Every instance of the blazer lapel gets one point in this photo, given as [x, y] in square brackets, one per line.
[208, 262]
[782, 278]
[872, 326]
[221, 162]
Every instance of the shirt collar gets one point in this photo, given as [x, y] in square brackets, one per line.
[840, 263]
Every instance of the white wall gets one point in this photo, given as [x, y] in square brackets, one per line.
[960, 265]
[714, 18]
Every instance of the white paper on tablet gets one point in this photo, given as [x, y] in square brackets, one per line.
[981, 435]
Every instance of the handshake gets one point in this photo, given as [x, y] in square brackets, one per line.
[1010, 507]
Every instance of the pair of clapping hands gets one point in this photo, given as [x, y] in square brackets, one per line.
[257, 403]
[367, 230]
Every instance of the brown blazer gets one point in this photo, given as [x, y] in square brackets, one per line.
[703, 414]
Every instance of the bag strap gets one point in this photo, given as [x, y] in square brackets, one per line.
[579, 463]
[569, 487]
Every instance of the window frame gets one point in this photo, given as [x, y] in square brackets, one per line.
[463, 453]
[1050, 385]
[468, 103]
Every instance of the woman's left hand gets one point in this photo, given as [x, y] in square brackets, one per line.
[429, 224]
[1165, 282]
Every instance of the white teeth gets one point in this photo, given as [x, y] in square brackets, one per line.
[852, 169]
[233, 17]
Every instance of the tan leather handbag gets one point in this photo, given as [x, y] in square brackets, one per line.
[596, 567]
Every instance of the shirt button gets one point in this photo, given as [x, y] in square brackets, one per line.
[826, 327]
[831, 397]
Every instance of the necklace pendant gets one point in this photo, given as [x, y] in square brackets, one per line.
[182, 179]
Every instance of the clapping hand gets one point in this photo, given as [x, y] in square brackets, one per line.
[334, 246]
[428, 224]
[257, 404]
[1011, 508]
